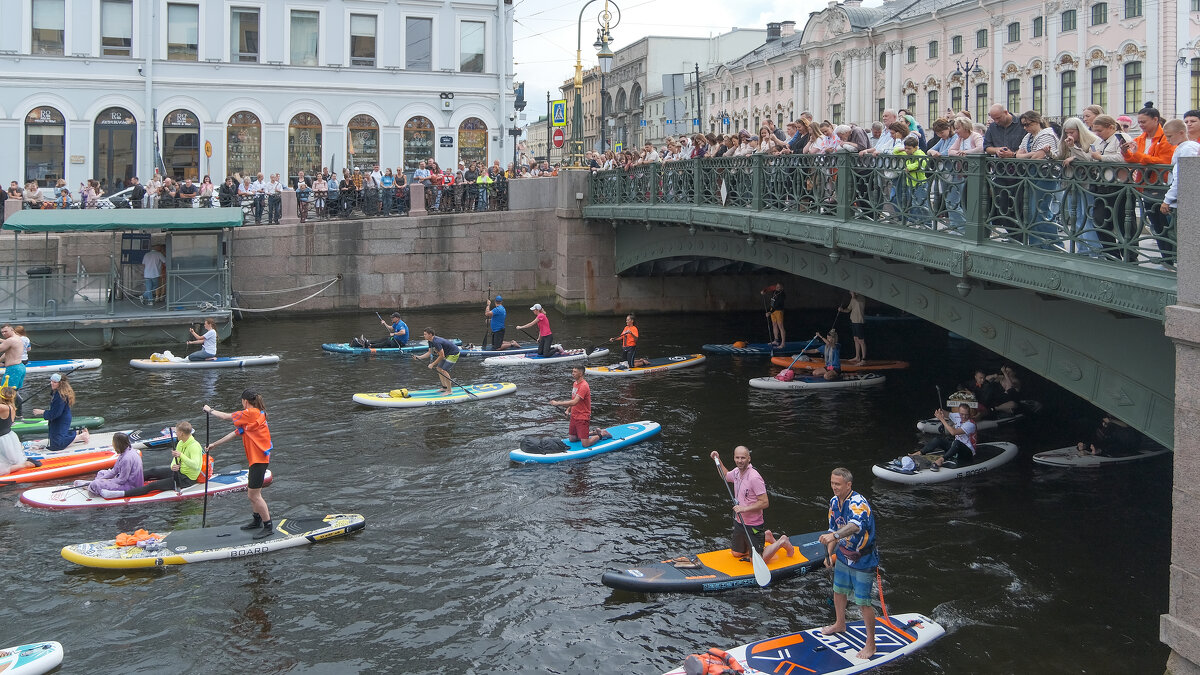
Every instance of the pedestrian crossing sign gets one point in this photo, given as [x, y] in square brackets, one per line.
[558, 113]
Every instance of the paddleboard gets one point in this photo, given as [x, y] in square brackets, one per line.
[154, 440]
[417, 346]
[180, 363]
[931, 425]
[61, 365]
[757, 348]
[810, 362]
[716, 570]
[988, 456]
[417, 398]
[213, 543]
[848, 381]
[622, 435]
[30, 659]
[1071, 457]
[472, 350]
[39, 448]
[534, 359]
[811, 653]
[658, 365]
[37, 426]
[64, 466]
[68, 497]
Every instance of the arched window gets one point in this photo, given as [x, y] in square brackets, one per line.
[1100, 86]
[362, 142]
[243, 145]
[473, 141]
[304, 146]
[418, 142]
[45, 146]
[115, 151]
[1133, 86]
[933, 106]
[181, 145]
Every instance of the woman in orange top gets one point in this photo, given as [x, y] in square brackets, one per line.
[628, 338]
[1151, 147]
[251, 424]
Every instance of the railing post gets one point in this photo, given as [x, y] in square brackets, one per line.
[654, 174]
[756, 181]
[845, 184]
[976, 201]
[697, 182]
[621, 179]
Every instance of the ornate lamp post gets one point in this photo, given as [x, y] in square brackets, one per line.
[605, 56]
[606, 20]
[966, 69]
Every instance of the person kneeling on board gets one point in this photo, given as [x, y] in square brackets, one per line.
[960, 450]
[579, 410]
[832, 370]
[184, 470]
[750, 491]
[59, 431]
[125, 475]
[446, 356]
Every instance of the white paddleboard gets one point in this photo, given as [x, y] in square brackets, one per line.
[179, 363]
[988, 456]
[534, 359]
[68, 497]
[61, 365]
[1071, 457]
[31, 659]
[848, 381]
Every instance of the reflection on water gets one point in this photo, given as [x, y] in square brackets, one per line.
[470, 564]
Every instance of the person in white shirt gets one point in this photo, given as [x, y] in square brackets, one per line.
[650, 155]
[1177, 135]
[258, 187]
[422, 173]
[154, 268]
[208, 342]
[274, 191]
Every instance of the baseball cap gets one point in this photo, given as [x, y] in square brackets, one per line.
[57, 377]
[396, 314]
[536, 308]
[499, 298]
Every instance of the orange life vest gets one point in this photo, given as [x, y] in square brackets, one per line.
[713, 662]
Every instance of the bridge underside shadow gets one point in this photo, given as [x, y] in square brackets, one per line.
[1122, 364]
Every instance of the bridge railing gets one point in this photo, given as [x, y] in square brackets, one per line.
[1103, 210]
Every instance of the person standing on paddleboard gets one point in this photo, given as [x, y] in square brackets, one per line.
[496, 316]
[629, 339]
[851, 542]
[545, 337]
[858, 326]
[251, 424]
[579, 410]
[775, 313]
[750, 491]
[447, 355]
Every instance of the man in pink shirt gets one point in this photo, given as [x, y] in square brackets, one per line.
[750, 491]
[580, 411]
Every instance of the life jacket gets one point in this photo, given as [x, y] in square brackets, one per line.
[713, 662]
[206, 468]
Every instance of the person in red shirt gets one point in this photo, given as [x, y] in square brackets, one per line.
[251, 424]
[580, 411]
[629, 340]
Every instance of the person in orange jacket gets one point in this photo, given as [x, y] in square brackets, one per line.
[1152, 147]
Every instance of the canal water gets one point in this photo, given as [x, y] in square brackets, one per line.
[471, 564]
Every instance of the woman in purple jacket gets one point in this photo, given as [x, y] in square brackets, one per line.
[125, 475]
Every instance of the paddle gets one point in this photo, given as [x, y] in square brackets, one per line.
[487, 324]
[527, 334]
[801, 353]
[64, 373]
[762, 573]
[204, 466]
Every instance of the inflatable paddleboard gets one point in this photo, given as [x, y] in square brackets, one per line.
[472, 350]
[416, 398]
[39, 448]
[64, 466]
[31, 659]
[848, 381]
[757, 348]
[988, 456]
[61, 365]
[534, 359]
[810, 362]
[811, 653]
[716, 570]
[655, 366]
[1071, 457]
[623, 435]
[213, 543]
[154, 440]
[37, 426]
[68, 497]
[416, 346]
[933, 426]
[180, 363]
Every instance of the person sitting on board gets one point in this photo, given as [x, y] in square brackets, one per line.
[775, 314]
[579, 410]
[184, 470]
[545, 336]
[985, 392]
[208, 350]
[397, 334]
[442, 354]
[629, 339]
[12, 452]
[851, 552]
[496, 317]
[960, 449]
[751, 493]
[59, 432]
[1113, 437]
[125, 475]
[1009, 400]
[832, 370]
[251, 424]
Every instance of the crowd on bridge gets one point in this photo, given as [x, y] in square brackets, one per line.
[1093, 184]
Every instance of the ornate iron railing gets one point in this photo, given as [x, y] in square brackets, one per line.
[1104, 210]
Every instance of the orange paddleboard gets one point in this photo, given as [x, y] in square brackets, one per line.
[64, 466]
[816, 362]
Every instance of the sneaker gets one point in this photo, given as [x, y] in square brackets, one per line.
[35, 462]
[935, 467]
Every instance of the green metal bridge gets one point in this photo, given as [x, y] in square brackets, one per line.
[1065, 269]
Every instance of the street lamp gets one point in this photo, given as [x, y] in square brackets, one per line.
[605, 56]
[966, 69]
[606, 20]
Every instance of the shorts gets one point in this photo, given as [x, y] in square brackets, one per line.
[256, 476]
[853, 583]
[737, 537]
[859, 330]
[448, 363]
[777, 316]
[578, 430]
[15, 374]
[497, 338]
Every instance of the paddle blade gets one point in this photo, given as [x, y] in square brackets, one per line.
[762, 573]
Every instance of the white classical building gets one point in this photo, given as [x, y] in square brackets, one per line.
[850, 62]
[240, 87]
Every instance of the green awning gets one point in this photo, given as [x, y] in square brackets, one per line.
[104, 220]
